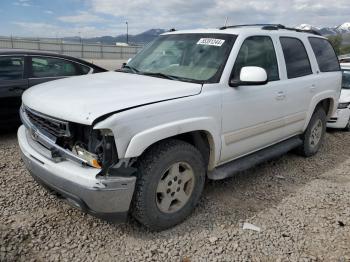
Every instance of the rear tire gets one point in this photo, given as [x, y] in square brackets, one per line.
[170, 181]
[314, 135]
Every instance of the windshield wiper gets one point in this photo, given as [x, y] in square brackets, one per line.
[132, 69]
[158, 74]
[171, 77]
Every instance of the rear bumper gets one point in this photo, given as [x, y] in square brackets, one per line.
[107, 198]
[340, 119]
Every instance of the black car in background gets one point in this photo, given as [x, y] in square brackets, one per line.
[21, 69]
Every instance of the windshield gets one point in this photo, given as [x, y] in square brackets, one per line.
[186, 57]
[346, 79]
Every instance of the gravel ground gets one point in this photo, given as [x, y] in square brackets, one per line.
[301, 206]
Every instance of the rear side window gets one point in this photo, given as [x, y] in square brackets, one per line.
[11, 68]
[326, 58]
[295, 55]
[257, 51]
[54, 67]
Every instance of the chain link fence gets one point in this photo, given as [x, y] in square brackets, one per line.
[80, 50]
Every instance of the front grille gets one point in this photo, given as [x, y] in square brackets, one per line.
[54, 127]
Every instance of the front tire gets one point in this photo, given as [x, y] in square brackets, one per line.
[170, 182]
[314, 135]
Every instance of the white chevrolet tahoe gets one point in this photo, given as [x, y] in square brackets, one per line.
[192, 105]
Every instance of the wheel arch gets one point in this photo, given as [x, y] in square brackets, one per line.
[203, 139]
[328, 106]
[326, 101]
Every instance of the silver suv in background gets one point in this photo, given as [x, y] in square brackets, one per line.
[193, 105]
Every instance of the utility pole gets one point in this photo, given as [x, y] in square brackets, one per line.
[82, 45]
[127, 32]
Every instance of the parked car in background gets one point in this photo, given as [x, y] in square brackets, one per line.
[345, 59]
[341, 118]
[21, 69]
[191, 106]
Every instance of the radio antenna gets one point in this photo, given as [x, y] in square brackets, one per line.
[226, 20]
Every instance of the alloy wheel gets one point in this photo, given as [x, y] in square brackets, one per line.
[175, 187]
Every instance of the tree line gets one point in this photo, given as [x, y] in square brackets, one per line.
[339, 47]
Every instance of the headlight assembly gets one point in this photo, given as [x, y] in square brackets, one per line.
[343, 105]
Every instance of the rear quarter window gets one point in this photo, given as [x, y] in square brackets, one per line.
[326, 57]
[83, 70]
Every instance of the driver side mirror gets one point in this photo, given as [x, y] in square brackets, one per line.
[250, 75]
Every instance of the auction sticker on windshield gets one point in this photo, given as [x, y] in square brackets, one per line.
[211, 41]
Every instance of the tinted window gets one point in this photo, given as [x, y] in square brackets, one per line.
[346, 79]
[295, 55]
[326, 58]
[257, 51]
[11, 68]
[53, 67]
[84, 69]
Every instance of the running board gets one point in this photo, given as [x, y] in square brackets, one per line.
[246, 162]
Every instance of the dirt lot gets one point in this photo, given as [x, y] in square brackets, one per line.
[301, 205]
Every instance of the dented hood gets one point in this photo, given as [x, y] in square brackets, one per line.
[85, 98]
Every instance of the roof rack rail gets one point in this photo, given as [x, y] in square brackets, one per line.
[247, 25]
[273, 27]
[314, 32]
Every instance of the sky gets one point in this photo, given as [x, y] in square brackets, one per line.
[89, 18]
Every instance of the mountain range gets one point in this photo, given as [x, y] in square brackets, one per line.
[341, 29]
[138, 39]
[149, 35]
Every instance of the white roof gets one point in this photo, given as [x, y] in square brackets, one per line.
[243, 30]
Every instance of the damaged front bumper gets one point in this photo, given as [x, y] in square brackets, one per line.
[102, 196]
[340, 119]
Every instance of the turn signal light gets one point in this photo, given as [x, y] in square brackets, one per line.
[94, 163]
[90, 158]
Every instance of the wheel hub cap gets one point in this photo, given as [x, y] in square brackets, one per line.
[316, 133]
[175, 187]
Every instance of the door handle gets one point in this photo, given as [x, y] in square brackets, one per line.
[280, 95]
[312, 88]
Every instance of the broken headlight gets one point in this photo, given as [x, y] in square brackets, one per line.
[90, 158]
[96, 147]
